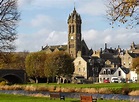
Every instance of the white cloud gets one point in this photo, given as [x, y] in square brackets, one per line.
[94, 39]
[34, 42]
[122, 37]
[39, 28]
[57, 38]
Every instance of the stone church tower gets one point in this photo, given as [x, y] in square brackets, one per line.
[74, 34]
[75, 42]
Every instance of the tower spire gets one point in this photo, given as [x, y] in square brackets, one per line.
[74, 5]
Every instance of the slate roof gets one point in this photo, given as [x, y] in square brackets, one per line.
[113, 70]
[59, 47]
[133, 55]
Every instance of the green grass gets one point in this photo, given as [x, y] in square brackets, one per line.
[99, 85]
[21, 98]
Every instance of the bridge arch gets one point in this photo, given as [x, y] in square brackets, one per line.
[13, 75]
[13, 78]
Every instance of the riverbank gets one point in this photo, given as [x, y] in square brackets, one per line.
[111, 88]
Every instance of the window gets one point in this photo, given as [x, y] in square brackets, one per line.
[104, 72]
[119, 73]
[79, 62]
[73, 29]
[71, 45]
[129, 63]
[109, 71]
[69, 29]
[79, 69]
[84, 69]
[100, 79]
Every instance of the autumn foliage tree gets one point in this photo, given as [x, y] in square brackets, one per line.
[9, 16]
[58, 64]
[35, 65]
[42, 65]
[11, 60]
[124, 11]
[135, 64]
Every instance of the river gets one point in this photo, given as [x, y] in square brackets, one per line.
[75, 95]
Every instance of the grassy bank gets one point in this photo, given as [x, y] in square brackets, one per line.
[98, 85]
[103, 88]
[111, 88]
[20, 98]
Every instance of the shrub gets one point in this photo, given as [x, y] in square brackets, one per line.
[2, 83]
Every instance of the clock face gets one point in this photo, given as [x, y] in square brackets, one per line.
[71, 37]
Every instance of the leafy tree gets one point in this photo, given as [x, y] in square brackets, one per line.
[135, 64]
[123, 11]
[9, 16]
[35, 65]
[9, 60]
[20, 60]
[58, 64]
[49, 69]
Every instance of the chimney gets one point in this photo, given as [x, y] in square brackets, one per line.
[79, 54]
[105, 45]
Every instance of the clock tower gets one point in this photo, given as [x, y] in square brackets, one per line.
[74, 33]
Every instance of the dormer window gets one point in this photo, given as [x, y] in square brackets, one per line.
[104, 72]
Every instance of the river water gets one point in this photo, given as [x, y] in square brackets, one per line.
[75, 95]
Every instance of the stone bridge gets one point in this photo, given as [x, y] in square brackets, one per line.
[13, 76]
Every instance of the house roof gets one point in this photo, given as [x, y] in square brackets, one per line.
[52, 48]
[108, 68]
[133, 55]
[125, 70]
[113, 70]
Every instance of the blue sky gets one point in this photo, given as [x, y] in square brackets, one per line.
[44, 22]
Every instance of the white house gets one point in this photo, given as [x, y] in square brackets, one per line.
[108, 73]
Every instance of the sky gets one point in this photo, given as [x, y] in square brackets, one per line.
[44, 22]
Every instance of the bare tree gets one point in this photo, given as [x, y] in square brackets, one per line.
[124, 11]
[9, 16]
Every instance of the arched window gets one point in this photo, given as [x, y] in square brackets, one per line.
[69, 29]
[73, 29]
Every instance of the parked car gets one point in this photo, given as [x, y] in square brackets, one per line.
[122, 80]
[129, 81]
[79, 80]
[106, 81]
[114, 80]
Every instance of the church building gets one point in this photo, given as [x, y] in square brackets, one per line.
[75, 42]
